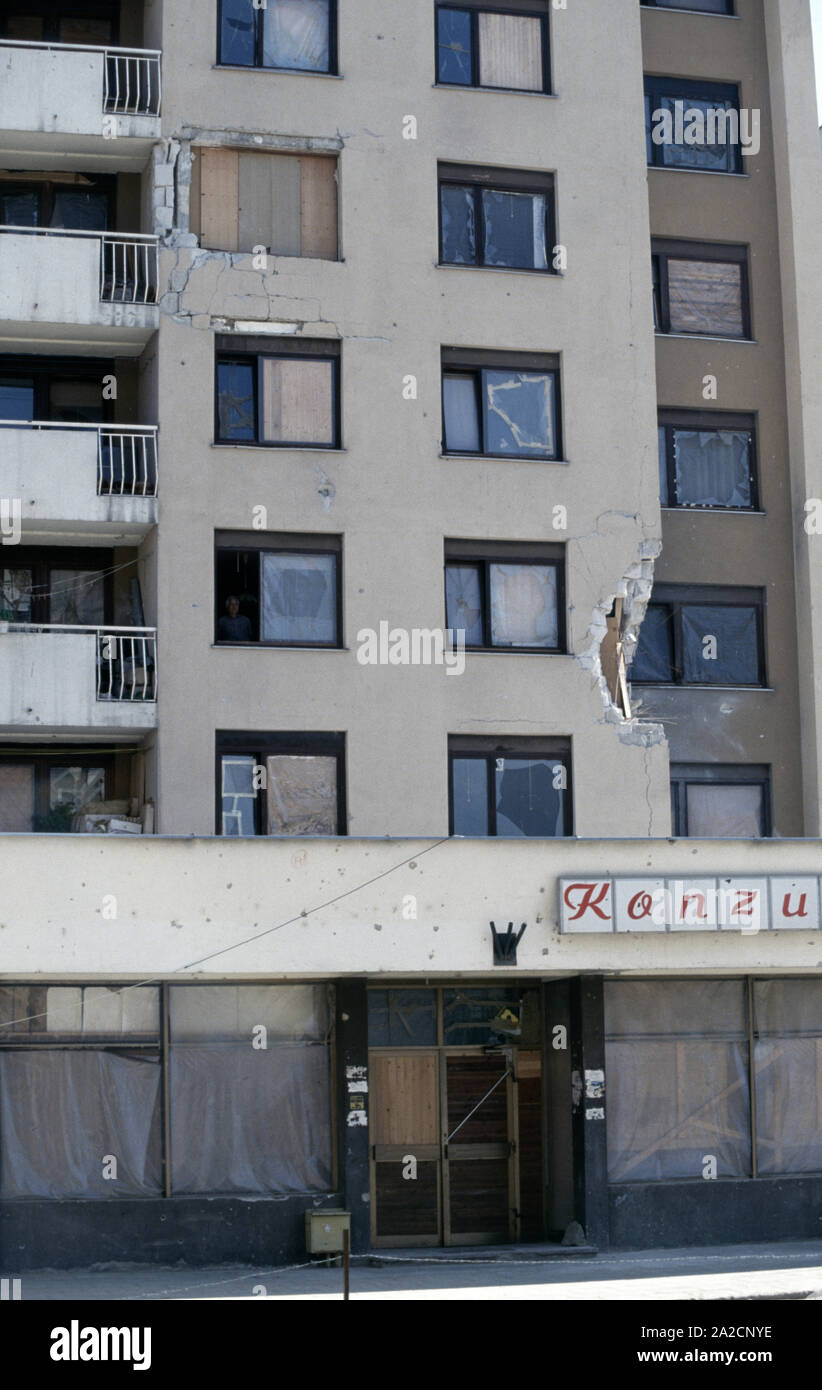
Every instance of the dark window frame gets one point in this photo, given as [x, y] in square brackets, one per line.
[45, 371]
[259, 66]
[684, 775]
[259, 746]
[489, 750]
[75, 9]
[705, 420]
[728, 12]
[664, 249]
[498, 181]
[482, 555]
[470, 362]
[537, 10]
[41, 560]
[679, 596]
[253, 352]
[43, 763]
[281, 543]
[690, 89]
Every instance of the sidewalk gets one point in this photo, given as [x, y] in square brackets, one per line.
[786, 1271]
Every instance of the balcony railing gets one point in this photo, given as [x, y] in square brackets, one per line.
[132, 84]
[129, 262]
[126, 658]
[126, 454]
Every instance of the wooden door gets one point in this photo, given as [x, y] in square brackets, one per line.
[405, 1154]
[480, 1175]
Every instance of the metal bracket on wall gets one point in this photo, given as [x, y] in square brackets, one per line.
[505, 946]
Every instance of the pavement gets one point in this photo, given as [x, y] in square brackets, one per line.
[790, 1270]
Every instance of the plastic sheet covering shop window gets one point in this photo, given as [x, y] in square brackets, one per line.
[518, 412]
[720, 645]
[706, 297]
[301, 795]
[524, 611]
[788, 1065]
[677, 1079]
[712, 468]
[248, 1117]
[725, 812]
[402, 1018]
[295, 34]
[299, 597]
[62, 1113]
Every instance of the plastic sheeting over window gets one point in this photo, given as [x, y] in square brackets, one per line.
[299, 597]
[459, 236]
[788, 1055]
[706, 297]
[524, 609]
[463, 602]
[302, 795]
[515, 229]
[296, 35]
[725, 812]
[519, 413]
[653, 659]
[712, 468]
[63, 1113]
[719, 157]
[677, 1079]
[529, 798]
[720, 645]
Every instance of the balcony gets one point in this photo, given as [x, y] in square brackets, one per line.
[62, 99]
[77, 287]
[77, 680]
[100, 478]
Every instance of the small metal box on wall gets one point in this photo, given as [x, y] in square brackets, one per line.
[324, 1231]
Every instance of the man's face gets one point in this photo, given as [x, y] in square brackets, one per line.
[233, 607]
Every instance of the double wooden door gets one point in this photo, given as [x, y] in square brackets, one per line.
[444, 1132]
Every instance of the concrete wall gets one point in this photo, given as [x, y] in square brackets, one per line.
[48, 683]
[54, 472]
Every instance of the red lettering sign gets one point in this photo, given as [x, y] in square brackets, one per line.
[587, 902]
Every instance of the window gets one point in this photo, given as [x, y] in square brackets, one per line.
[94, 22]
[56, 389]
[506, 595]
[68, 586]
[281, 590]
[503, 45]
[289, 35]
[720, 802]
[692, 125]
[707, 460]
[44, 794]
[701, 289]
[288, 399]
[514, 789]
[702, 6]
[701, 635]
[504, 404]
[492, 217]
[281, 784]
[79, 202]
[285, 202]
[788, 1066]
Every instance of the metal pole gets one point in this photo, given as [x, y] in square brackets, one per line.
[346, 1264]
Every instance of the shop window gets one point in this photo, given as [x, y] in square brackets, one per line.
[505, 597]
[287, 399]
[705, 115]
[496, 217]
[520, 788]
[503, 46]
[701, 636]
[287, 35]
[286, 203]
[505, 405]
[707, 461]
[788, 1065]
[701, 289]
[280, 784]
[402, 1018]
[278, 590]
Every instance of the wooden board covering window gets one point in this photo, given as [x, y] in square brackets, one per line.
[286, 203]
[298, 402]
[510, 52]
[219, 173]
[404, 1104]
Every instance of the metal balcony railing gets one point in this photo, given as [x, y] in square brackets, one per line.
[126, 658]
[129, 262]
[132, 78]
[126, 454]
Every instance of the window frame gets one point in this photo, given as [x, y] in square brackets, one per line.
[474, 362]
[679, 596]
[685, 775]
[538, 10]
[484, 554]
[684, 7]
[45, 189]
[254, 352]
[281, 543]
[489, 750]
[664, 249]
[45, 372]
[76, 9]
[702, 421]
[259, 66]
[484, 179]
[43, 763]
[259, 746]
[41, 560]
[657, 87]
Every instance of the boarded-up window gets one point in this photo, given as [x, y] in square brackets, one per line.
[16, 797]
[510, 51]
[706, 297]
[285, 203]
[298, 401]
[302, 795]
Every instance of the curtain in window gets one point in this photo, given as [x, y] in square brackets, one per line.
[706, 297]
[713, 467]
[298, 401]
[519, 413]
[524, 606]
[16, 797]
[510, 51]
[459, 240]
[299, 597]
[302, 795]
[677, 1079]
[719, 157]
[788, 1055]
[462, 429]
[463, 602]
[717, 812]
[295, 34]
[736, 646]
[62, 1113]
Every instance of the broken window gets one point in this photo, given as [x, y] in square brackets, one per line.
[716, 801]
[693, 125]
[288, 400]
[279, 589]
[245, 199]
[701, 636]
[289, 35]
[515, 790]
[701, 289]
[705, 463]
[507, 409]
[281, 784]
[499, 602]
[677, 1066]
[402, 1018]
[495, 218]
[788, 1066]
[484, 46]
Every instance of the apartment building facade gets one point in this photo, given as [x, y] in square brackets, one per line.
[408, 474]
